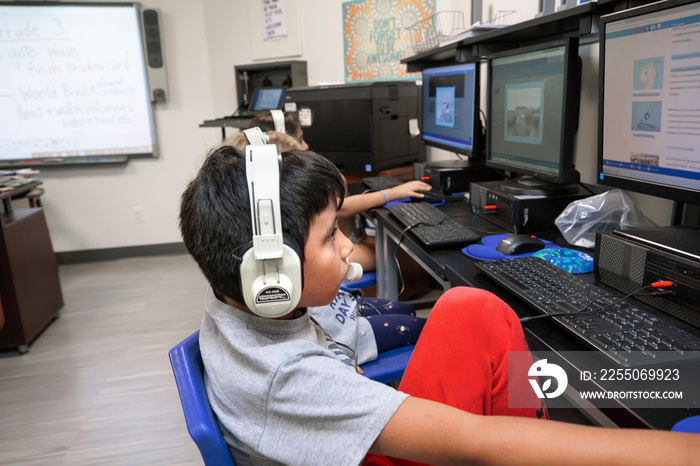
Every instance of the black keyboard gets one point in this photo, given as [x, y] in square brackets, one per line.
[381, 182]
[432, 227]
[624, 331]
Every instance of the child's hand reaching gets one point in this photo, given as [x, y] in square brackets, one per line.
[408, 189]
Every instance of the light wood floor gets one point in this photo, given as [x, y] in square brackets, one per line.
[96, 386]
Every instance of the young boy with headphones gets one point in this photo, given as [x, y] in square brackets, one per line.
[285, 393]
[370, 325]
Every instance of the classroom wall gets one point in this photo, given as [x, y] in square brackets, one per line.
[95, 207]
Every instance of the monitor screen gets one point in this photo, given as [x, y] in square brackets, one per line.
[533, 111]
[74, 86]
[267, 98]
[450, 116]
[649, 135]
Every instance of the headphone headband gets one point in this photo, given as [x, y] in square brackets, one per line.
[262, 167]
[278, 120]
[256, 136]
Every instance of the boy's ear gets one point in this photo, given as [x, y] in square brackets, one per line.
[271, 271]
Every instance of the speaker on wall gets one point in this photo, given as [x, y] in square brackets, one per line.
[157, 77]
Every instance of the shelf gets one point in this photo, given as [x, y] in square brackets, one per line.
[237, 122]
[580, 20]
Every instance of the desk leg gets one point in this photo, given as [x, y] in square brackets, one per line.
[7, 206]
[387, 270]
[391, 269]
[380, 267]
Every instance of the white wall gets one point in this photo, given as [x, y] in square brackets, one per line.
[93, 208]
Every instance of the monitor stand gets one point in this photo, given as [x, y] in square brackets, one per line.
[531, 186]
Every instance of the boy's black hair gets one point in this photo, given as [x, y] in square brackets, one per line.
[215, 209]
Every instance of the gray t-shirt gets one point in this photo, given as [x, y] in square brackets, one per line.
[340, 320]
[284, 393]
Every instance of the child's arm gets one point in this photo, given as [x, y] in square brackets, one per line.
[434, 433]
[353, 205]
[365, 255]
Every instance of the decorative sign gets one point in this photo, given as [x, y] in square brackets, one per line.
[274, 19]
[275, 29]
[377, 37]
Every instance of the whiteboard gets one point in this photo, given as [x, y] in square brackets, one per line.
[74, 85]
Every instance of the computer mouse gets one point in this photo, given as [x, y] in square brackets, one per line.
[428, 197]
[519, 244]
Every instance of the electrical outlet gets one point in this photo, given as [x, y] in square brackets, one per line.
[138, 215]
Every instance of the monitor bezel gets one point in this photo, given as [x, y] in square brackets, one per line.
[674, 193]
[569, 114]
[477, 138]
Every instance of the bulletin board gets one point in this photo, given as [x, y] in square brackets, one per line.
[376, 37]
[275, 29]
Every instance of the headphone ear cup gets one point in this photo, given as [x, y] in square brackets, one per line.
[272, 288]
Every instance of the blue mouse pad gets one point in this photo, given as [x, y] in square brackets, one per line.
[567, 259]
[486, 251]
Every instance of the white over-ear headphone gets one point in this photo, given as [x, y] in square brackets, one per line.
[278, 120]
[271, 271]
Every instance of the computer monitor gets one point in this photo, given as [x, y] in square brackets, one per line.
[533, 101]
[267, 98]
[450, 113]
[649, 134]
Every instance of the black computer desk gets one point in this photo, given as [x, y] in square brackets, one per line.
[450, 267]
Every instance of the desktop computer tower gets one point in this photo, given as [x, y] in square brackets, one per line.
[361, 128]
[453, 177]
[517, 213]
[630, 259]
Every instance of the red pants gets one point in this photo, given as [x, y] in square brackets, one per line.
[461, 358]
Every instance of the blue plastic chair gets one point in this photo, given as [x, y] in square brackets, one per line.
[186, 360]
[689, 424]
[389, 365]
[202, 425]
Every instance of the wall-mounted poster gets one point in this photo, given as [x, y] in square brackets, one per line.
[275, 29]
[377, 38]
